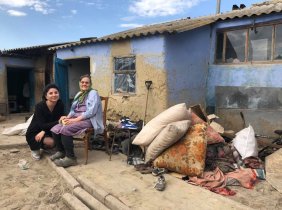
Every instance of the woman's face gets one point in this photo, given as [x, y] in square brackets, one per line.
[84, 83]
[52, 95]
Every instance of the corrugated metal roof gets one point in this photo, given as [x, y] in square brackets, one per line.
[184, 24]
[37, 47]
[178, 26]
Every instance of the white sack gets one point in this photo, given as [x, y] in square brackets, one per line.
[19, 129]
[246, 143]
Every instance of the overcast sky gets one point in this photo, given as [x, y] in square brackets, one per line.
[35, 22]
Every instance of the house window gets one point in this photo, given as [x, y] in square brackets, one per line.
[235, 46]
[124, 75]
[219, 49]
[260, 42]
[278, 43]
[249, 45]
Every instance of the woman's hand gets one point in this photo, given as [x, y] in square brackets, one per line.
[61, 119]
[68, 121]
[39, 136]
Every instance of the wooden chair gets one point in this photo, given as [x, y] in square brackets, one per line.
[90, 131]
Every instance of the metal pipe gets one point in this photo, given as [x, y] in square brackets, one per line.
[218, 6]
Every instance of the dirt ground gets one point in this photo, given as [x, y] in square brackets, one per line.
[38, 187]
[263, 196]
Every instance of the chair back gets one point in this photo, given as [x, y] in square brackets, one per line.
[104, 101]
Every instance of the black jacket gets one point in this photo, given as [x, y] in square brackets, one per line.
[43, 119]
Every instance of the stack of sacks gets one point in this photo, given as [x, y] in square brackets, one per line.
[167, 137]
[169, 144]
[163, 135]
[157, 124]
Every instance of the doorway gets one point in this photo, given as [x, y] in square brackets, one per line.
[67, 74]
[19, 87]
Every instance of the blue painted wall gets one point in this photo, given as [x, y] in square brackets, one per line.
[87, 50]
[186, 62]
[254, 75]
[152, 45]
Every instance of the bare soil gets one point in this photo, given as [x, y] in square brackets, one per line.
[262, 196]
[38, 187]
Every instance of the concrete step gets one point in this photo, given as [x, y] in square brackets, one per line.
[88, 199]
[73, 202]
[101, 195]
[83, 190]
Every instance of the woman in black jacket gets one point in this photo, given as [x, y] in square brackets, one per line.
[47, 113]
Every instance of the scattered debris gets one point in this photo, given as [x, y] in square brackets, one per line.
[212, 117]
[23, 164]
[217, 127]
[14, 150]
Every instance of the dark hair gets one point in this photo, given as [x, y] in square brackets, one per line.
[86, 75]
[46, 89]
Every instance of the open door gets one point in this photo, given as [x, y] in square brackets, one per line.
[20, 89]
[61, 80]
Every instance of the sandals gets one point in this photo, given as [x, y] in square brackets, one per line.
[159, 171]
[161, 183]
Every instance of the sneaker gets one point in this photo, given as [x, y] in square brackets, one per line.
[35, 154]
[57, 155]
[159, 171]
[126, 123]
[65, 162]
[129, 126]
[160, 185]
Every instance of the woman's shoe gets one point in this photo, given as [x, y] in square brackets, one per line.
[161, 183]
[57, 155]
[65, 162]
[35, 154]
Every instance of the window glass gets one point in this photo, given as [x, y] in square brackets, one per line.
[124, 75]
[278, 43]
[260, 42]
[235, 46]
[127, 63]
[219, 47]
[124, 83]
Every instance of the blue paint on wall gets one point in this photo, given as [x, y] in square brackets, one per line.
[186, 61]
[263, 75]
[99, 49]
[153, 45]
[151, 48]
[253, 75]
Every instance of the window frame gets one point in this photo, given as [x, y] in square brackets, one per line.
[247, 28]
[123, 72]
